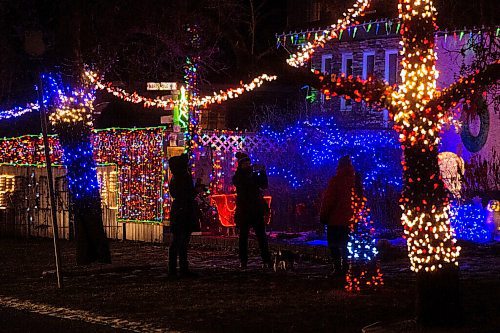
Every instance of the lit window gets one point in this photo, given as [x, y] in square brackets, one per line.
[368, 64]
[391, 66]
[347, 69]
[326, 63]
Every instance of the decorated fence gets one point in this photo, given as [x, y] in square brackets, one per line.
[299, 161]
[25, 208]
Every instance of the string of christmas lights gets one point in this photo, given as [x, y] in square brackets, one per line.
[18, 111]
[385, 27]
[142, 167]
[139, 154]
[363, 272]
[304, 54]
[319, 143]
[231, 93]
[169, 104]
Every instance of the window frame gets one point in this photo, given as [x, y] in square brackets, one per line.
[388, 54]
[366, 54]
[325, 57]
[343, 102]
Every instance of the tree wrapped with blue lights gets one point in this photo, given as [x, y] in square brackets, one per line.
[71, 116]
[364, 273]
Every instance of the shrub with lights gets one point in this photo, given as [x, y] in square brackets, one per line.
[469, 223]
[307, 154]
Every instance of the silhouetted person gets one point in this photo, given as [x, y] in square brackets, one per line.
[182, 214]
[337, 211]
[250, 207]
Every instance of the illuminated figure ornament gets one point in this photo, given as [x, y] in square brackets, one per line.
[494, 217]
[226, 207]
[452, 169]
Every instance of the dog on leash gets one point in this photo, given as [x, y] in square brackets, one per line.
[284, 260]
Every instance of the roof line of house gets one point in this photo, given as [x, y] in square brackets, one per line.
[388, 25]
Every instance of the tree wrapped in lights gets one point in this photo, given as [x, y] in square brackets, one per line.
[419, 111]
[72, 118]
[363, 273]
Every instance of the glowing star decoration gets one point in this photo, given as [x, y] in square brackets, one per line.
[350, 18]
[452, 168]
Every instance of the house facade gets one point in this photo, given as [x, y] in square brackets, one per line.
[373, 49]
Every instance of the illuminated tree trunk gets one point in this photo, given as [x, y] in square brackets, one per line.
[72, 120]
[431, 243]
[92, 244]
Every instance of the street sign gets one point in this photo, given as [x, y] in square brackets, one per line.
[167, 119]
[161, 86]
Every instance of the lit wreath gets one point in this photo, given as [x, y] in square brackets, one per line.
[471, 142]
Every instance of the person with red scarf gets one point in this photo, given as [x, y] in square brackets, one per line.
[337, 211]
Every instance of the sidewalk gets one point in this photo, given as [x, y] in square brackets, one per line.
[224, 299]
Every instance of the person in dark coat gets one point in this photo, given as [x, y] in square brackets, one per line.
[250, 207]
[337, 211]
[182, 214]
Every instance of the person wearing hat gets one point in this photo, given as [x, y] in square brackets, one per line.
[250, 207]
[182, 215]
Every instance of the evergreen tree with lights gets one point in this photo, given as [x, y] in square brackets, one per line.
[419, 111]
[363, 273]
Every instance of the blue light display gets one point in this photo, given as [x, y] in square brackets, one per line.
[314, 147]
[74, 136]
[469, 223]
[361, 243]
[18, 111]
[82, 170]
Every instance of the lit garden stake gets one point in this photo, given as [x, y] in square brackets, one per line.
[50, 179]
